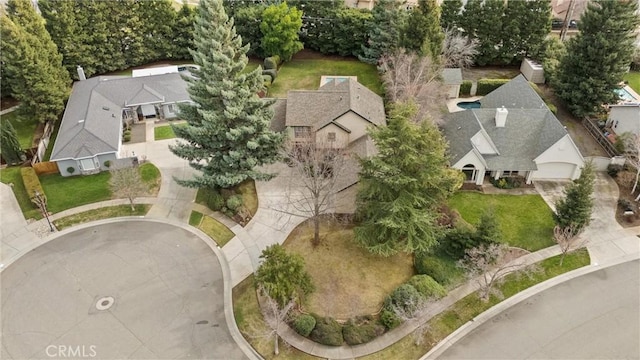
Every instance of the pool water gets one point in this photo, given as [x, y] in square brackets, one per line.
[625, 95]
[469, 104]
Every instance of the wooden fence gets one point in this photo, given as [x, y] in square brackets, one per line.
[47, 167]
[597, 134]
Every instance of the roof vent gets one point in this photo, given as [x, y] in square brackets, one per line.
[80, 121]
[105, 108]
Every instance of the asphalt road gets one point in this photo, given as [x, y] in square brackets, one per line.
[595, 316]
[160, 286]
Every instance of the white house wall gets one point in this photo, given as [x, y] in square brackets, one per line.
[625, 119]
[472, 158]
[170, 114]
[342, 137]
[482, 143]
[561, 161]
[355, 123]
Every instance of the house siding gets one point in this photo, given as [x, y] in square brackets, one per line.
[341, 137]
[561, 160]
[355, 123]
[472, 158]
[625, 119]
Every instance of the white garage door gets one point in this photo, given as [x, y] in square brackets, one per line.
[554, 170]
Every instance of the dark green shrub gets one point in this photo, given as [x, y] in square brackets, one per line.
[277, 59]
[270, 63]
[614, 169]
[215, 201]
[486, 86]
[304, 324]
[127, 137]
[234, 203]
[272, 72]
[456, 241]
[107, 163]
[465, 88]
[389, 319]
[432, 266]
[405, 298]
[32, 183]
[267, 79]
[327, 332]
[71, 169]
[427, 286]
[359, 334]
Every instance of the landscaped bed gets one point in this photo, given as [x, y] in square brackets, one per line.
[102, 213]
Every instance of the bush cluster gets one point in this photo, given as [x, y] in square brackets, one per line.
[304, 324]
[354, 333]
[465, 87]
[271, 62]
[486, 86]
[427, 286]
[510, 182]
[614, 169]
[426, 264]
[227, 202]
[327, 332]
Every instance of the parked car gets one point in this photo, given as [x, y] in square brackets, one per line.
[556, 24]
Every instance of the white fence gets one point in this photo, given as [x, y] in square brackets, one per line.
[601, 163]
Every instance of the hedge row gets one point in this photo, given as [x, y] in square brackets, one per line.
[486, 86]
[327, 331]
[465, 88]
[32, 183]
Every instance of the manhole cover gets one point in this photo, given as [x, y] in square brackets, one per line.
[104, 303]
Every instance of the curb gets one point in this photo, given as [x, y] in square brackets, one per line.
[492, 312]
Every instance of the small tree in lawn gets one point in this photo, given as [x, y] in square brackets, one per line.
[576, 206]
[126, 182]
[274, 316]
[488, 265]
[316, 167]
[283, 276]
[280, 27]
[567, 239]
[10, 146]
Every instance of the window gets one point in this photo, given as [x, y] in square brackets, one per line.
[509, 173]
[301, 131]
[171, 108]
[331, 136]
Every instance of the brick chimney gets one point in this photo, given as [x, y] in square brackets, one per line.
[501, 116]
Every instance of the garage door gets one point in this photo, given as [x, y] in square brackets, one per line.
[554, 170]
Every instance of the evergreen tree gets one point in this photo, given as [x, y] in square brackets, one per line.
[247, 21]
[489, 32]
[422, 32]
[280, 26]
[9, 145]
[576, 206]
[451, 14]
[471, 17]
[158, 20]
[227, 133]
[283, 276]
[183, 32]
[384, 31]
[32, 63]
[526, 25]
[598, 56]
[488, 229]
[402, 186]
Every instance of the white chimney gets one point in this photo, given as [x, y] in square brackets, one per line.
[501, 116]
[81, 75]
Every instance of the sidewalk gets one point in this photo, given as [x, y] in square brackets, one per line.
[608, 242]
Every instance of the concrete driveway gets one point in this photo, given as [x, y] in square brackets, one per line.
[135, 289]
[594, 316]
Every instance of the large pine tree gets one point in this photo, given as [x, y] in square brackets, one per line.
[9, 145]
[401, 186]
[32, 64]
[422, 32]
[598, 56]
[451, 14]
[227, 133]
[384, 31]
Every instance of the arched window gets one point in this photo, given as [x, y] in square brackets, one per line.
[470, 172]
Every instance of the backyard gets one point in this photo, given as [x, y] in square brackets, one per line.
[25, 128]
[633, 77]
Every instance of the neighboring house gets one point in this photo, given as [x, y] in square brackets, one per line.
[513, 133]
[625, 115]
[98, 110]
[452, 79]
[337, 115]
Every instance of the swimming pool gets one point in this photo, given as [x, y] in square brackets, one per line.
[469, 104]
[625, 95]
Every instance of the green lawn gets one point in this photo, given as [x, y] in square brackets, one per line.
[526, 220]
[11, 175]
[67, 192]
[25, 127]
[633, 77]
[216, 230]
[305, 75]
[102, 213]
[195, 218]
[163, 132]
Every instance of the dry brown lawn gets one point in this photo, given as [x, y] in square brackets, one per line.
[349, 280]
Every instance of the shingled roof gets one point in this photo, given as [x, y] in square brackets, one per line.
[318, 108]
[527, 134]
[91, 121]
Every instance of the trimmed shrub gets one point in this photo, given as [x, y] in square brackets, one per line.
[272, 72]
[71, 169]
[465, 87]
[267, 79]
[456, 241]
[234, 203]
[32, 183]
[359, 334]
[404, 298]
[270, 63]
[215, 201]
[304, 324]
[614, 169]
[107, 163]
[127, 137]
[389, 319]
[327, 332]
[486, 86]
[277, 59]
[427, 286]
[432, 266]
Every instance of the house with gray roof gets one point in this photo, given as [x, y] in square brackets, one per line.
[513, 133]
[100, 108]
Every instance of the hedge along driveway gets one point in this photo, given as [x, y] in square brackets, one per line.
[305, 75]
[525, 220]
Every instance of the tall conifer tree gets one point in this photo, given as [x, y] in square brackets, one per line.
[227, 133]
[384, 31]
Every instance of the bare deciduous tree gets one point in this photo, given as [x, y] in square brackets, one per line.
[488, 265]
[274, 316]
[632, 154]
[316, 170]
[126, 182]
[458, 51]
[567, 239]
[410, 77]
